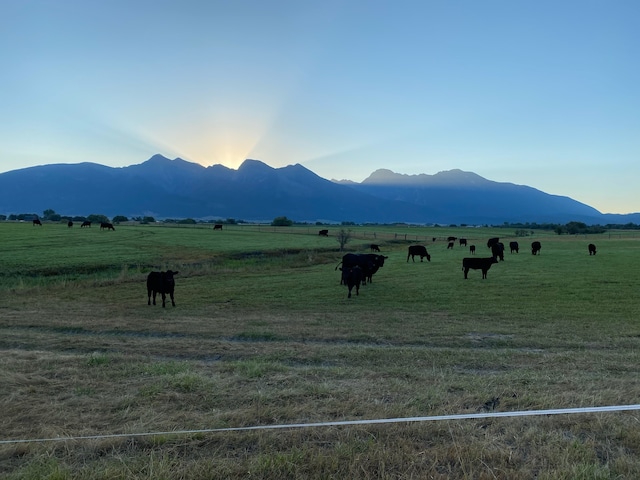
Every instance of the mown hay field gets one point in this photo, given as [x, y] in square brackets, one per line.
[264, 334]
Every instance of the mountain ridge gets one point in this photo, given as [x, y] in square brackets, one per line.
[166, 188]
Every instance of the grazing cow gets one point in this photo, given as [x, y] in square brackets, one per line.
[374, 247]
[106, 226]
[369, 263]
[463, 242]
[483, 264]
[162, 283]
[535, 248]
[217, 226]
[418, 250]
[451, 239]
[69, 224]
[450, 246]
[323, 233]
[497, 250]
[37, 221]
[86, 223]
[592, 249]
[492, 241]
[514, 247]
[352, 277]
[472, 249]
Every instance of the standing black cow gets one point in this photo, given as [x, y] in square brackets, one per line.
[374, 247]
[497, 250]
[450, 246]
[352, 277]
[418, 250]
[592, 249]
[370, 263]
[535, 247]
[37, 221]
[492, 241]
[162, 283]
[324, 233]
[483, 264]
[514, 247]
[463, 242]
[106, 226]
[86, 223]
[472, 249]
[69, 224]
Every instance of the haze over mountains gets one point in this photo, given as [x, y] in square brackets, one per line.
[165, 188]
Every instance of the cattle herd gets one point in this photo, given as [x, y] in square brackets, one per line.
[357, 269]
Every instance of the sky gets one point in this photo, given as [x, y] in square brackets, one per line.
[544, 93]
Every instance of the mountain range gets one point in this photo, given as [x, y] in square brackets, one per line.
[165, 188]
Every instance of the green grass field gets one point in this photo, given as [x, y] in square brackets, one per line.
[263, 334]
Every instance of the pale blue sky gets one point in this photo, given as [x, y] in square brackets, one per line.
[541, 93]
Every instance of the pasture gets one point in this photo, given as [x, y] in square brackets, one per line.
[264, 334]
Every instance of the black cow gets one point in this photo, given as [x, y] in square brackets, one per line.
[418, 250]
[86, 223]
[162, 283]
[535, 248]
[370, 263]
[69, 224]
[514, 247]
[374, 247]
[217, 226]
[37, 221]
[497, 250]
[450, 246]
[492, 241]
[592, 249]
[323, 233]
[472, 249]
[106, 226]
[463, 242]
[483, 264]
[352, 277]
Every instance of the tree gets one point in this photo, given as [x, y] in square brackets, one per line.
[281, 222]
[343, 237]
[119, 218]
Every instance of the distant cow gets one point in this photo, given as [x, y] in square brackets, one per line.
[514, 247]
[492, 241]
[323, 233]
[217, 226]
[472, 249]
[497, 250]
[86, 223]
[451, 239]
[463, 242]
[450, 245]
[352, 277]
[374, 247]
[69, 224]
[369, 263]
[483, 264]
[418, 250]
[592, 249]
[162, 283]
[535, 248]
[106, 226]
[36, 221]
